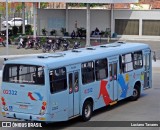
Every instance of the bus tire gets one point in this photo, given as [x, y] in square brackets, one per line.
[87, 110]
[136, 93]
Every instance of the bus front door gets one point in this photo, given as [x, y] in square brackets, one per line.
[147, 71]
[113, 87]
[74, 101]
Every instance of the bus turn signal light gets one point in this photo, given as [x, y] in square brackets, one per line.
[44, 103]
[2, 99]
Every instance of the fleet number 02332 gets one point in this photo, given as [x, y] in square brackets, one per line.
[10, 92]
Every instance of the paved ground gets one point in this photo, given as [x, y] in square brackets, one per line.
[155, 46]
[145, 109]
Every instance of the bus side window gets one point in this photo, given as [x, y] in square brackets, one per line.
[137, 60]
[87, 70]
[101, 69]
[58, 80]
[127, 62]
[38, 76]
[120, 64]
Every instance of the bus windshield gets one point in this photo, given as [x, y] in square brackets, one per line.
[26, 74]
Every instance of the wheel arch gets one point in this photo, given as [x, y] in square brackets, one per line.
[87, 99]
[136, 91]
[139, 84]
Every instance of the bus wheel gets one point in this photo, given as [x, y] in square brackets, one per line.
[136, 93]
[87, 110]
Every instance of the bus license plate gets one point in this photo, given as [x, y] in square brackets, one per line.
[23, 106]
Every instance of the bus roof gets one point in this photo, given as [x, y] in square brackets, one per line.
[54, 60]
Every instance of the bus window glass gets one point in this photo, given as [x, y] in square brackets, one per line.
[76, 81]
[70, 83]
[88, 72]
[26, 74]
[138, 60]
[127, 63]
[120, 64]
[58, 80]
[101, 69]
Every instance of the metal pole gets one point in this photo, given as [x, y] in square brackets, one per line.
[0, 22]
[67, 17]
[7, 27]
[23, 17]
[39, 5]
[34, 18]
[112, 20]
[88, 26]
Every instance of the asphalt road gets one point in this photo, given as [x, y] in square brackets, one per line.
[146, 108]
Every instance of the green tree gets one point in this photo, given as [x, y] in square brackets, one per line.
[2, 8]
[19, 7]
[44, 5]
[83, 5]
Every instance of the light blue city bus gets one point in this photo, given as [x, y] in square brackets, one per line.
[60, 86]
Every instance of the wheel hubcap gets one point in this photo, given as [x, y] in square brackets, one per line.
[135, 92]
[87, 111]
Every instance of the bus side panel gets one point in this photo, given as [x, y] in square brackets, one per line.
[97, 91]
[88, 91]
[59, 106]
[139, 76]
[130, 78]
[58, 103]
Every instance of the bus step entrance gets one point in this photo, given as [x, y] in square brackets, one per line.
[112, 103]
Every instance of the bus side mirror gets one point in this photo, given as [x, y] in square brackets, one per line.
[154, 56]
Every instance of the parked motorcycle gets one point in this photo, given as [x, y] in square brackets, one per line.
[22, 42]
[48, 45]
[65, 45]
[76, 45]
[2, 41]
[57, 44]
[30, 43]
[37, 43]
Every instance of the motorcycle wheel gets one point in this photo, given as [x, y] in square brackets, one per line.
[36, 47]
[43, 50]
[3, 44]
[26, 47]
[18, 47]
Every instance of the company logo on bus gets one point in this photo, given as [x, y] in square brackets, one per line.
[35, 96]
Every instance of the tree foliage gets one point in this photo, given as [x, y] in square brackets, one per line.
[2, 8]
[19, 8]
[84, 4]
[44, 5]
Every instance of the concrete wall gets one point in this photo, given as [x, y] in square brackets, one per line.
[99, 18]
[50, 19]
[76, 15]
[137, 14]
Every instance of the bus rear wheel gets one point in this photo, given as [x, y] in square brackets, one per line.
[87, 110]
[136, 93]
